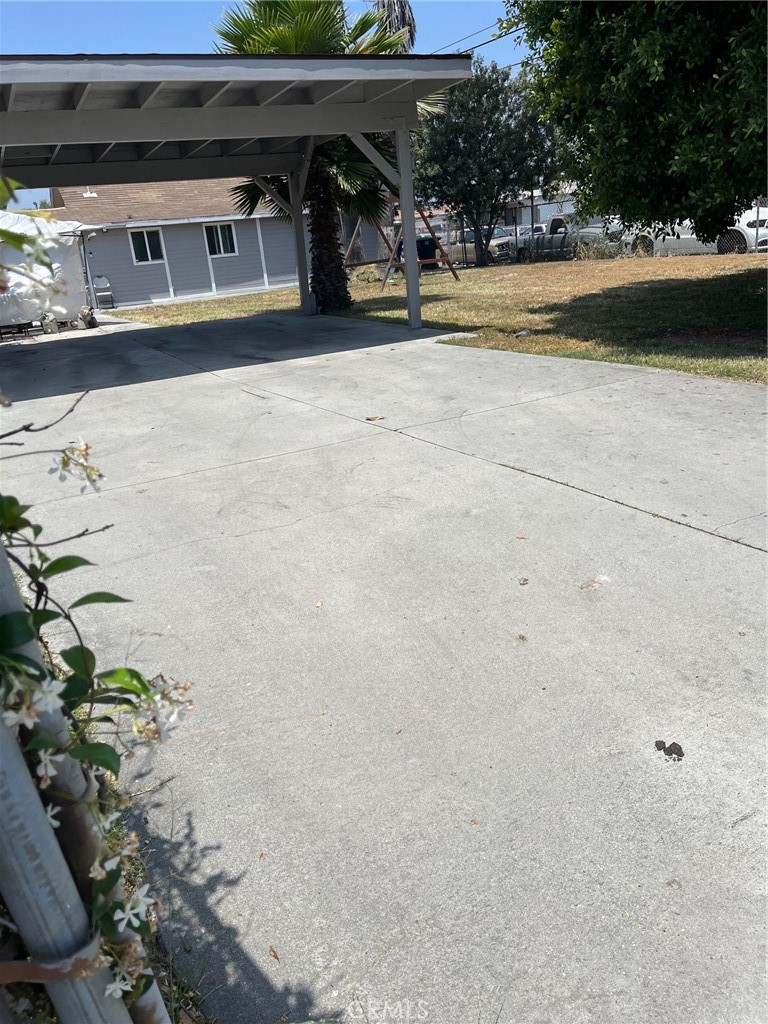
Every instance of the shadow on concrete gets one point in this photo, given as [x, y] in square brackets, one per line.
[208, 952]
[41, 369]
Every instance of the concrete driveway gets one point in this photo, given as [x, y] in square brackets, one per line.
[438, 604]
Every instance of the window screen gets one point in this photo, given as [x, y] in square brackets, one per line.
[147, 247]
[220, 239]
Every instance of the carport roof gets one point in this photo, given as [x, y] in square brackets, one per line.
[121, 118]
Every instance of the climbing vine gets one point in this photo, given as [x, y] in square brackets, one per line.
[62, 706]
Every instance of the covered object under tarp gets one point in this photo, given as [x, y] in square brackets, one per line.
[19, 304]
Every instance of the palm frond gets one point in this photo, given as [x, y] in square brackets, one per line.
[397, 16]
[366, 35]
[283, 26]
[247, 196]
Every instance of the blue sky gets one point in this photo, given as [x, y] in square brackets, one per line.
[187, 26]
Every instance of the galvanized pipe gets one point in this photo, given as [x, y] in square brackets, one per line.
[79, 840]
[41, 896]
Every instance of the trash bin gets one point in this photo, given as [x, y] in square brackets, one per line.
[427, 250]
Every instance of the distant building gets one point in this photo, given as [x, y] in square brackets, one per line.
[177, 239]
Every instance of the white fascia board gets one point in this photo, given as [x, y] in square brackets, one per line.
[136, 68]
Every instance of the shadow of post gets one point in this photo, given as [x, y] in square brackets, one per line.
[206, 951]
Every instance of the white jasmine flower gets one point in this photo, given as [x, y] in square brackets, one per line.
[50, 813]
[139, 903]
[118, 986]
[46, 696]
[46, 769]
[25, 715]
[97, 871]
[129, 916]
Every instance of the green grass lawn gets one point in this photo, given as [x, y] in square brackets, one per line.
[699, 314]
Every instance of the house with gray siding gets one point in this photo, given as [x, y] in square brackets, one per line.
[177, 240]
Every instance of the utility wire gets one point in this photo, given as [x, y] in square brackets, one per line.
[477, 33]
[493, 39]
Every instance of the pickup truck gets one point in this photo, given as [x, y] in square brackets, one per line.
[560, 236]
[460, 246]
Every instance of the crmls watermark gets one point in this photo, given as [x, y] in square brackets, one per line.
[366, 1008]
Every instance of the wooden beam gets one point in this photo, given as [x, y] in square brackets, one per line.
[306, 160]
[208, 94]
[231, 146]
[7, 96]
[277, 199]
[378, 161]
[102, 151]
[120, 172]
[267, 96]
[146, 92]
[80, 94]
[147, 150]
[179, 124]
[189, 149]
[325, 91]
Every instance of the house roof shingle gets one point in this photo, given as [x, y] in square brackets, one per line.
[155, 201]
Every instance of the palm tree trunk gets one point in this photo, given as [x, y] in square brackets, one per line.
[328, 277]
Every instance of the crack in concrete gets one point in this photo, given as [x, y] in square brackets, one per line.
[744, 519]
[528, 401]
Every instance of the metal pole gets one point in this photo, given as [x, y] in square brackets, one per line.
[77, 841]
[41, 895]
[757, 222]
[533, 228]
[308, 305]
[408, 218]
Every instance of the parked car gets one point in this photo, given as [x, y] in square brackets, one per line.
[748, 234]
[677, 239]
[460, 246]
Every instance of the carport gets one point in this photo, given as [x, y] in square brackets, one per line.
[108, 119]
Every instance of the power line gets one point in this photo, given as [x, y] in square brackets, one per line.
[493, 39]
[477, 33]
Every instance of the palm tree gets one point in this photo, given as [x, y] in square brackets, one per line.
[397, 16]
[339, 177]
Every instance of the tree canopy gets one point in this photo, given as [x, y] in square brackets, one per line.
[661, 104]
[340, 177]
[482, 150]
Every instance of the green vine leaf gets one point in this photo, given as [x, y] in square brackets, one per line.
[20, 662]
[15, 630]
[100, 754]
[42, 616]
[43, 739]
[75, 689]
[126, 679]
[99, 597]
[64, 564]
[81, 660]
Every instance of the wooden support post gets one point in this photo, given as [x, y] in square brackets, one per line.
[308, 305]
[408, 219]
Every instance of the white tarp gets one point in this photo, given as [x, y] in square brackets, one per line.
[19, 305]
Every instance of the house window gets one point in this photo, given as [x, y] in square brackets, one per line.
[220, 239]
[147, 247]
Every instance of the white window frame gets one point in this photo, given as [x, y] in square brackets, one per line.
[150, 261]
[218, 225]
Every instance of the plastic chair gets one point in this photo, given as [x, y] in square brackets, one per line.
[103, 292]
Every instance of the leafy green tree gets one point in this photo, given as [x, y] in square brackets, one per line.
[339, 178]
[662, 104]
[482, 150]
